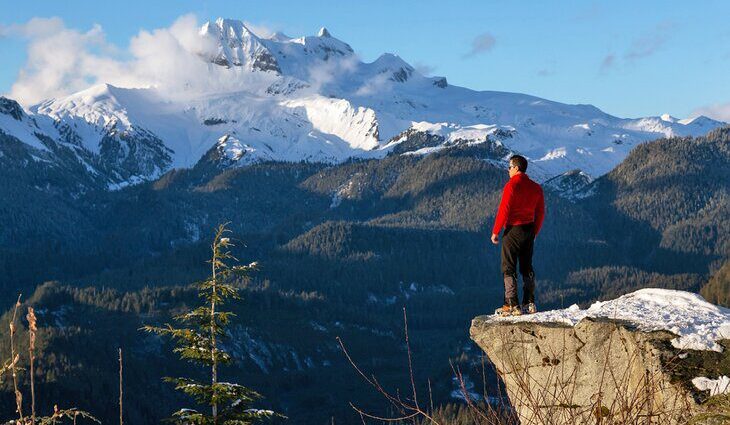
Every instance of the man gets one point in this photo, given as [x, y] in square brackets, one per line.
[521, 213]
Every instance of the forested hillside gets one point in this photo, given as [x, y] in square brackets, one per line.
[717, 290]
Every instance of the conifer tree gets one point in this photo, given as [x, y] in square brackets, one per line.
[198, 340]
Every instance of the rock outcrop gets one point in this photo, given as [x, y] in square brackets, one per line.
[599, 369]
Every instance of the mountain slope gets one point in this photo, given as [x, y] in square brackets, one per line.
[311, 98]
[678, 187]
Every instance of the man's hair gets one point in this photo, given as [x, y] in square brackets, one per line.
[520, 161]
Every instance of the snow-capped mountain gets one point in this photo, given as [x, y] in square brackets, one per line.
[311, 98]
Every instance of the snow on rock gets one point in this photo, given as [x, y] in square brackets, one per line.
[233, 149]
[721, 385]
[16, 123]
[236, 45]
[697, 323]
[453, 132]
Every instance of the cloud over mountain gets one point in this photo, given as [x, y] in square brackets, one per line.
[62, 60]
[718, 111]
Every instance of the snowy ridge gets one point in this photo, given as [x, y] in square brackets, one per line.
[697, 323]
[16, 122]
[235, 45]
[311, 98]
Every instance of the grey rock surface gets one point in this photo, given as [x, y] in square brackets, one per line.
[598, 371]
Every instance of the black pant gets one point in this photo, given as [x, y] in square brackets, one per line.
[517, 244]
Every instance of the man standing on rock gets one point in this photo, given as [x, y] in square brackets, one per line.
[521, 213]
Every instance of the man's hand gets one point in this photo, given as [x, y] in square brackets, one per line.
[495, 239]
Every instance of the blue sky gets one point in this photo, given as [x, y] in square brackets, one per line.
[629, 58]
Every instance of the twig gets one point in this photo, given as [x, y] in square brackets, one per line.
[410, 361]
[121, 390]
[18, 394]
[409, 411]
[32, 329]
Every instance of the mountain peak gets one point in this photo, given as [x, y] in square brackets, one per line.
[99, 93]
[668, 118]
[400, 70]
[233, 24]
[236, 45]
[280, 37]
[700, 121]
[11, 107]
[323, 33]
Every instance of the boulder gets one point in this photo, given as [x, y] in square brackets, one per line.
[587, 366]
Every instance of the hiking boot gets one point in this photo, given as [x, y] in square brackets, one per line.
[506, 310]
[529, 308]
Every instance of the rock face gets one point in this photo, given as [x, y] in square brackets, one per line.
[597, 369]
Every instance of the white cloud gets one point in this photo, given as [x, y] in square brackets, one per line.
[61, 60]
[321, 74]
[35, 27]
[718, 111]
[424, 68]
[377, 84]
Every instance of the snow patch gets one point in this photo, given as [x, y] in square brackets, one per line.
[425, 151]
[697, 323]
[721, 385]
[233, 149]
[554, 154]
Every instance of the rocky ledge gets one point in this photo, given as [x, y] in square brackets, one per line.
[653, 356]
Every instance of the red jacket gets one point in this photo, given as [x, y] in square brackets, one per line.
[522, 203]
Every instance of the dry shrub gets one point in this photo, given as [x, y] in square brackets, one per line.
[622, 399]
[59, 415]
